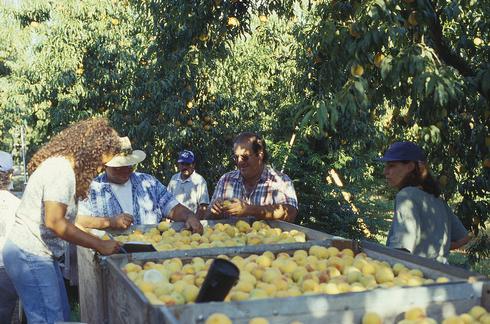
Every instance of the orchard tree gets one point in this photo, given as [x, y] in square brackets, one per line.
[328, 83]
[411, 69]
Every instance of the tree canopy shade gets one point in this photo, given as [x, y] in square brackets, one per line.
[346, 78]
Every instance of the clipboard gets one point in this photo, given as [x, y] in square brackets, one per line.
[134, 247]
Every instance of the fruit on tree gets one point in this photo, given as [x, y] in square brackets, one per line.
[412, 18]
[378, 59]
[353, 32]
[263, 18]
[486, 163]
[357, 70]
[232, 22]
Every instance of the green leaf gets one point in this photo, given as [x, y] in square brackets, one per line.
[322, 116]
[306, 119]
[359, 86]
[430, 83]
[386, 67]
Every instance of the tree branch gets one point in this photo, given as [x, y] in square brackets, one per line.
[442, 49]
[445, 53]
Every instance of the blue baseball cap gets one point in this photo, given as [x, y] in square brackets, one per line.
[404, 151]
[186, 157]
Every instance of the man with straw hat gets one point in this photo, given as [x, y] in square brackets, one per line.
[120, 196]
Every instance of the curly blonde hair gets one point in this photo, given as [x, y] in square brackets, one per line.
[85, 143]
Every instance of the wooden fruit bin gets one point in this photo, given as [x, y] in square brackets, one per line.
[92, 267]
[128, 304]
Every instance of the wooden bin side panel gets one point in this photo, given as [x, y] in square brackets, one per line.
[91, 285]
[126, 304]
[430, 267]
[438, 297]
[458, 296]
[440, 301]
[311, 234]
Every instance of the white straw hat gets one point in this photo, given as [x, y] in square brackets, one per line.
[127, 156]
[6, 162]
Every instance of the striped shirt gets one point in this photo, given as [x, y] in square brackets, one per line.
[151, 199]
[273, 188]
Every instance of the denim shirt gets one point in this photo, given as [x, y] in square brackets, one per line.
[151, 199]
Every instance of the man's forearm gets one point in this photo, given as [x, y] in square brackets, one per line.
[93, 222]
[202, 211]
[210, 215]
[273, 212]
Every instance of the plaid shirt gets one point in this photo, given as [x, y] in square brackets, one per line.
[273, 188]
[151, 200]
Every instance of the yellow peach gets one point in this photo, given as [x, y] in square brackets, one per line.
[414, 313]
[477, 311]
[258, 320]
[372, 318]
[218, 318]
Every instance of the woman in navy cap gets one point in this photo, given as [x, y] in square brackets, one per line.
[423, 223]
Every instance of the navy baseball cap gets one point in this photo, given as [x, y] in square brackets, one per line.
[404, 151]
[186, 157]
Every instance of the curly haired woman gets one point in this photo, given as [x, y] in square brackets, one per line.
[423, 223]
[61, 172]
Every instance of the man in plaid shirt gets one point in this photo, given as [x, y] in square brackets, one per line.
[255, 188]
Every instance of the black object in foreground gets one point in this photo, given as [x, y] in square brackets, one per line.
[133, 247]
[222, 275]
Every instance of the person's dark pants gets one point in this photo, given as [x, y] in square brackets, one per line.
[8, 297]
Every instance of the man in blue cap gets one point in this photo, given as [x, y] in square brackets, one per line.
[188, 186]
[423, 224]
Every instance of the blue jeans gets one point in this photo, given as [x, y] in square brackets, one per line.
[39, 284]
[8, 297]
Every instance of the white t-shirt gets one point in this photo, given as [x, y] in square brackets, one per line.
[124, 195]
[53, 180]
[8, 206]
[190, 192]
